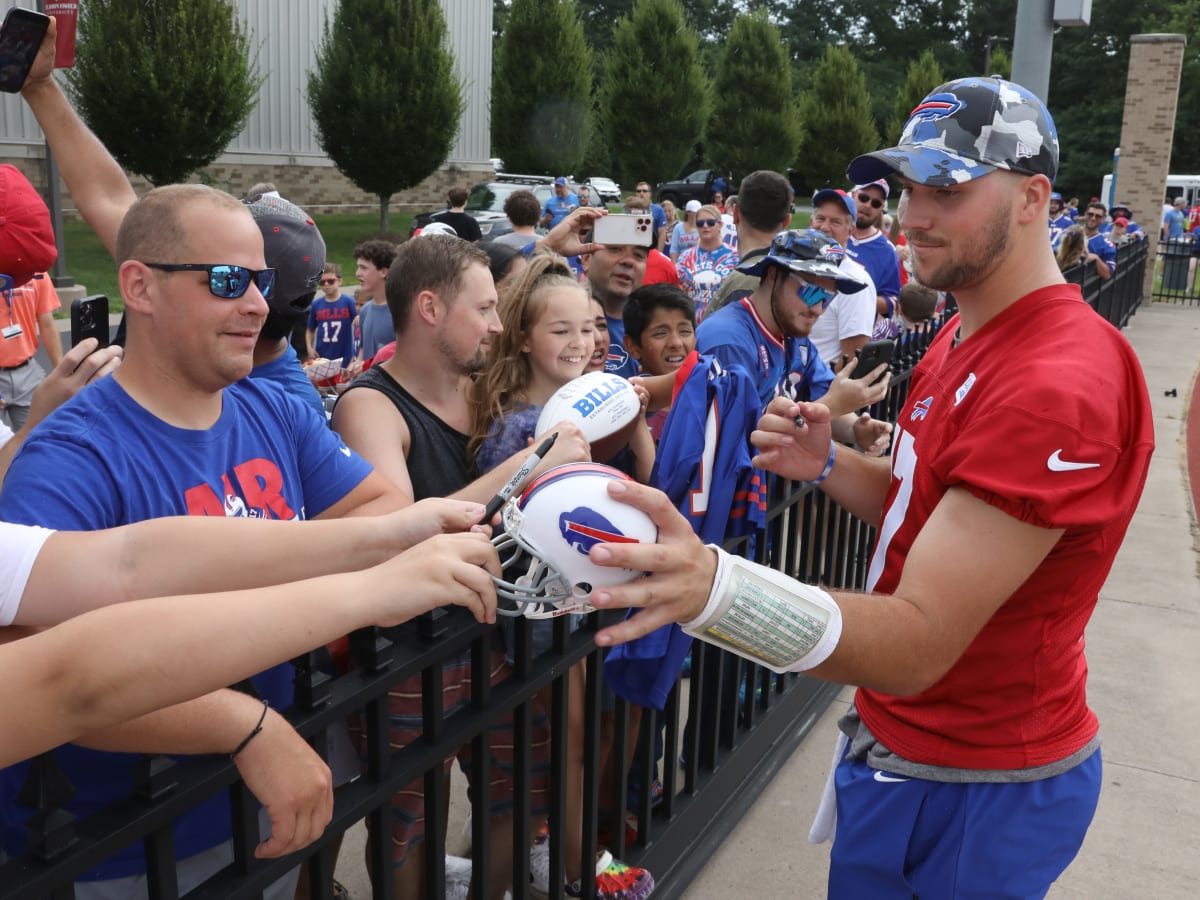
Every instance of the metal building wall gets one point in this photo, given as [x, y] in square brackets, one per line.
[280, 129]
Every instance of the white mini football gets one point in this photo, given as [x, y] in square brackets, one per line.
[600, 403]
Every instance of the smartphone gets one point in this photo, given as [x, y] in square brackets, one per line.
[89, 318]
[20, 37]
[873, 355]
[619, 228]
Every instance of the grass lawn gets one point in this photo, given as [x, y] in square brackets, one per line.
[90, 265]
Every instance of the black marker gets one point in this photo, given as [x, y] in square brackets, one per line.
[518, 479]
[799, 420]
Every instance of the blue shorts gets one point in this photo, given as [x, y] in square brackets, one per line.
[900, 838]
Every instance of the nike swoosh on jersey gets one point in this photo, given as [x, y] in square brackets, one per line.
[1057, 464]
[885, 778]
[345, 451]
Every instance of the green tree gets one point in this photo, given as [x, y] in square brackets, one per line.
[654, 95]
[754, 123]
[541, 102]
[1000, 63]
[164, 84]
[385, 100]
[924, 74]
[598, 17]
[837, 123]
[1183, 17]
[1087, 89]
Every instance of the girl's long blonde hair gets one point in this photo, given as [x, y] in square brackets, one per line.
[503, 383]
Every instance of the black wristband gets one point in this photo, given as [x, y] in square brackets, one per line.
[257, 728]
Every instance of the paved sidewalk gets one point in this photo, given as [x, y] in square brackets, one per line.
[1144, 657]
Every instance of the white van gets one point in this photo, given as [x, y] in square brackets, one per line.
[1187, 186]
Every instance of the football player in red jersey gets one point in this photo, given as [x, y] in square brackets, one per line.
[970, 762]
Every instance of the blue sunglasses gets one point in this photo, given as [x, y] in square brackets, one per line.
[226, 281]
[811, 294]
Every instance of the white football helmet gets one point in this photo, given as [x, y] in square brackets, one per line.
[553, 523]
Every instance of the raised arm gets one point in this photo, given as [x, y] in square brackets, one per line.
[97, 183]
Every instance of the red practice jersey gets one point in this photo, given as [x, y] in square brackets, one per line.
[1044, 414]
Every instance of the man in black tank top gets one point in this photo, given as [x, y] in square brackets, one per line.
[408, 416]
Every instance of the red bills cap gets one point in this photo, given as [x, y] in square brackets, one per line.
[26, 234]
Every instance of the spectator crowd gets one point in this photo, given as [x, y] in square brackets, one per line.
[412, 402]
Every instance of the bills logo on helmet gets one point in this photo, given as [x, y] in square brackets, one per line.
[935, 106]
[583, 529]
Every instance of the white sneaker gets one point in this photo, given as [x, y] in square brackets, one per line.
[539, 868]
[458, 877]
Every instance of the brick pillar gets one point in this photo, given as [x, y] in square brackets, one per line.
[1147, 130]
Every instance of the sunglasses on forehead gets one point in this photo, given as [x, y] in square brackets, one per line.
[870, 201]
[225, 281]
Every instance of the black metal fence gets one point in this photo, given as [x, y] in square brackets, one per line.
[1175, 272]
[1116, 298]
[732, 725]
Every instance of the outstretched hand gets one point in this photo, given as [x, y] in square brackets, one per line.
[434, 515]
[680, 569]
[445, 570]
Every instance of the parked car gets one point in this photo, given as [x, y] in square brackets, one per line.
[486, 203]
[696, 186]
[607, 189]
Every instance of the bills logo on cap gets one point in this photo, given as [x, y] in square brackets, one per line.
[583, 529]
[832, 252]
[936, 106]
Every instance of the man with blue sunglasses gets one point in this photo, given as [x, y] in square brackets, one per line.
[766, 334]
[180, 430]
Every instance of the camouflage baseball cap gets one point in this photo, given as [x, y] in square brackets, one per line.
[964, 130]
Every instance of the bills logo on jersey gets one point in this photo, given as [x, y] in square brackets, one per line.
[584, 528]
[616, 359]
[921, 409]
[935, 106]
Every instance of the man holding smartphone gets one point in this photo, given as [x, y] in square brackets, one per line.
[29, 299]
[767, 334]
[180, 430]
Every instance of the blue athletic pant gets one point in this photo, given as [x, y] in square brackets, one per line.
[905, 838]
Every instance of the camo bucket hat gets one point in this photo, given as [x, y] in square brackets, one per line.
[805, 253]
[964, 130]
